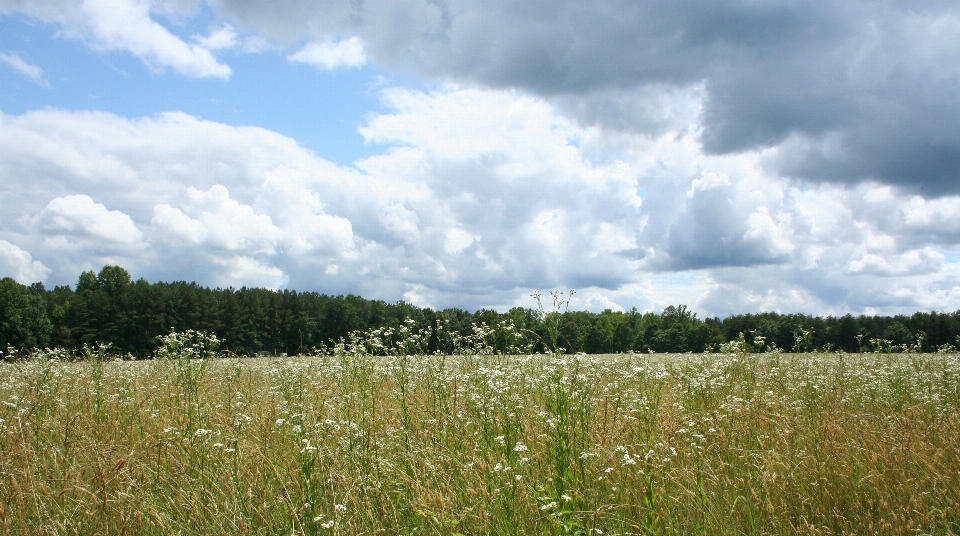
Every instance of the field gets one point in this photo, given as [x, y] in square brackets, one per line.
[350, 443]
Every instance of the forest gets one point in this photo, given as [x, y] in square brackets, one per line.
[108, 307]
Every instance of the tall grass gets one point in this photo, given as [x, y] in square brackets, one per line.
[477, 443]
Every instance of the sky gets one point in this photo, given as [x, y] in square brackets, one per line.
[735, 156]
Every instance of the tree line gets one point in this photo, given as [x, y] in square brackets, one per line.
[108, 307]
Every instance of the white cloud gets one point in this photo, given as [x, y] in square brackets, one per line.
[126, 25]
[218, 222]
[614, 239]
[219, 38]
[80, 216]
[179, 225]
[242, 271]
[457, 123]
[922, 261]
[32, 72]
[594, 300]
[400, 222]
[480, 197]
[457, 240]
[225, 37]
[331, 55]
[415, 296]
[19, 264]
[307, 231]
[763, 230]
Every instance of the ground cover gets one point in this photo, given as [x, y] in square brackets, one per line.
[351, 443]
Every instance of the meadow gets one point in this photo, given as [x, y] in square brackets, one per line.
[373, 436]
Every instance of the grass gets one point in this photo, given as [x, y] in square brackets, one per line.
[350, 443]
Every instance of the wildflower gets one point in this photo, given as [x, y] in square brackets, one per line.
[549, 506]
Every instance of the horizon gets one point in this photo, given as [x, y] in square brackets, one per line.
[73, 288]
[731, 157]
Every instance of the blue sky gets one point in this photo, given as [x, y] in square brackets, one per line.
[732, 156]
[320, 109]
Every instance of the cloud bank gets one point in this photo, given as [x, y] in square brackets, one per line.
[842, 93]
[478, 211]
[846, 92]
[735, 156]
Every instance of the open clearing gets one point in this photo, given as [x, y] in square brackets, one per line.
[483, 444]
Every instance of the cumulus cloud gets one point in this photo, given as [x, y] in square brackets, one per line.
[846, 92]
[331, 55]
[718, 227]
[126, 25]
[242, 271]
[74, 232]
[32, 72]
[849, 93]
[479, 197]
[19, 264]
[400, 222]
[80, 216]
[922, 261]
[219, 222]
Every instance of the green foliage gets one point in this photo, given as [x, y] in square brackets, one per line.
[23, 318]
[109, 307]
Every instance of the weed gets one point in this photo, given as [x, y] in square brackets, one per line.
[379, 436]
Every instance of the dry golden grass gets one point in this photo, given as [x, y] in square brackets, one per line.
[483, 444]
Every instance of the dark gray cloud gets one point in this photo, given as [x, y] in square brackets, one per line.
[855, 90]
[713, 231]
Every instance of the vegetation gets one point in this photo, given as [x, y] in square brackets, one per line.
[107, 307]
[380, 435]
